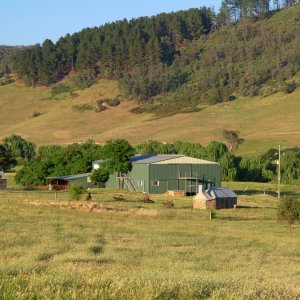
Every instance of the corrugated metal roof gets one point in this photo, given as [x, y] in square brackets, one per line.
[186, 160]
[202, 195]
[70, 177]
[222, 192]
[164, 159]
[152, 158]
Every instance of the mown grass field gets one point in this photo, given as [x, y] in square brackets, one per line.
[262, 122]
[53, 248]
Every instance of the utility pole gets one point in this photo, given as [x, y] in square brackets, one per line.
[279, 171]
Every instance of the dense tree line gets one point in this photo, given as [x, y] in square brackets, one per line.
[180, 59]
[261, 168]
[54, 160]
[6, 52]
[15, 150]
[114, 49]
[234, 10]
[21, 149]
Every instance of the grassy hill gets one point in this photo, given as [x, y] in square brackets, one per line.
[174, 62]
[250, 60]
[263, 122]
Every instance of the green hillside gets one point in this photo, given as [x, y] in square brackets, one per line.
[241, 76]
[174, 62]
[262, 122]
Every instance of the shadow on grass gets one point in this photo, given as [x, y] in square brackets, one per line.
[235, 218]
[90, 261]
[255, 192]
[269, 193]
[254, 207]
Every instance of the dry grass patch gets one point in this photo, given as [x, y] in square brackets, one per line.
[254, 118]
[76, 253]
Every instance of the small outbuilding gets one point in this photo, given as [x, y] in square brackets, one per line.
[203, 200]
[225, 197]
[64, 182]
[215, 198]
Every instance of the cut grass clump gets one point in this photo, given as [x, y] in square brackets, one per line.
[45, 256]
[96, 249]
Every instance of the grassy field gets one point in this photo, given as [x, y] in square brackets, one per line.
[262, 122]
[53, 248]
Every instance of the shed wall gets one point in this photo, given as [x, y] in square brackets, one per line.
[139, 175]
[225, 202]
[185, 177]
[83, 181]
[170, 177]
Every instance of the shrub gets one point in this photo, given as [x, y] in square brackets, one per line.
[231, 98]
[59, 89]
[113, 102]
[100, 105]
[100, 108]
[100, 176]
[6, 80]
[138, 110]
[84, 79]
[82, 107]
[101, 101]
[36, 114]
[289, 87]
[190, 110]
[289, 212]
[76, 192]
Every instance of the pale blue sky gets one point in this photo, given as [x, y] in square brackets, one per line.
[25, 22]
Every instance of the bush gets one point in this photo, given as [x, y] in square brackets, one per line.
[138, 110]
[100, 105]
[82, 107]
[289, 212]
[59, 89]
[6, 80]
[231, 98]
[190, 110]
[84, 79]
[113, 102]
[100, 176]
[100, 108]
[289, 87]
[76, 192]
[36, 114]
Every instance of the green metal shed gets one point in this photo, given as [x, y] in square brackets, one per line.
[70, 180]
[157, 174]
